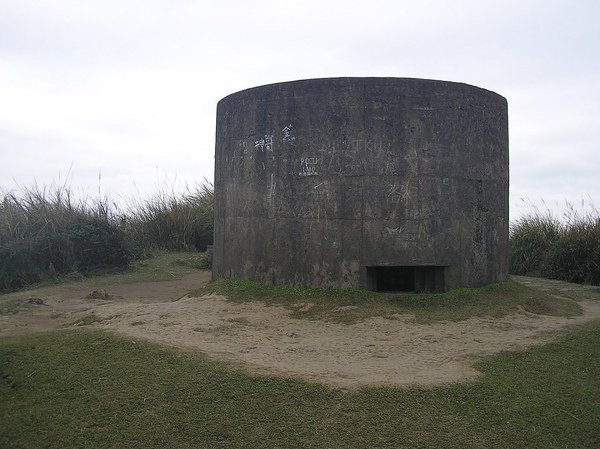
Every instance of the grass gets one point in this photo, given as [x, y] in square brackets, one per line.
[91, 389]
[174, 221]
[46, 233]
[197, 261]
[352, 305]
[542, 244]
[161, 266]
[13, 306]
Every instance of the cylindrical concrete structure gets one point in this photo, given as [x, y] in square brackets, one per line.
[382, 183]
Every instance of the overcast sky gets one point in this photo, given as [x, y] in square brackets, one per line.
[128, 88]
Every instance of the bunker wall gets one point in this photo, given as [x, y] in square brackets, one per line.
[319, 182]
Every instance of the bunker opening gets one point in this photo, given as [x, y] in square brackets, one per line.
[416, 279]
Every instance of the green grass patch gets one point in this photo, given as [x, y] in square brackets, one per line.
[13, 306]
[352, 305]
[162, 266]
[197, 261]
[92, 389]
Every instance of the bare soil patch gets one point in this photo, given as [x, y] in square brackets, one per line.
[394, 351]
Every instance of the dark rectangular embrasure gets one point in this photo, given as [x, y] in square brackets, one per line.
[419, 279]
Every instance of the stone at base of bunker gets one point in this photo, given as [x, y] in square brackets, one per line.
[209, 255]
[390, 184]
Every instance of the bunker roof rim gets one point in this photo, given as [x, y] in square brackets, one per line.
[362, 79]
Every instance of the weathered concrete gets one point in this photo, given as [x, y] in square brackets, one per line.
[323, 182]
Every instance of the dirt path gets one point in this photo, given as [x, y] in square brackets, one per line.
[265, 340]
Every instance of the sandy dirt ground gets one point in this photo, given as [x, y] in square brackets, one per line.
[265, 340]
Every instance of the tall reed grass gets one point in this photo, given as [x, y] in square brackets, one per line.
[174, 221]
[565, 248]
[46, 232]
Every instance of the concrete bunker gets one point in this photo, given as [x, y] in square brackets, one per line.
[392, 184]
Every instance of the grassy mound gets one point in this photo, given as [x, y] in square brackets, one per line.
[352, 305]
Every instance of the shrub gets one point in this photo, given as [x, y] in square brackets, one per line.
[43, 232]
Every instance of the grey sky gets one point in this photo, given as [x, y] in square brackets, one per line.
[129, 88]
